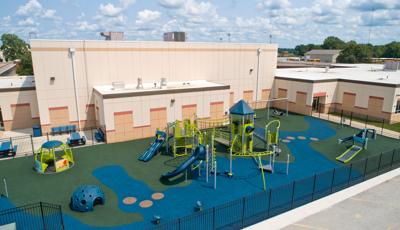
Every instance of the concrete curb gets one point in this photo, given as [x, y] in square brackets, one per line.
[314, 207]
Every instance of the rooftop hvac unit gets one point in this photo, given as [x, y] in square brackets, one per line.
[391, 66]
[175, 36]
[118, 85]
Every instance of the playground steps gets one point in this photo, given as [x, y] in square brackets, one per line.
[222, 141]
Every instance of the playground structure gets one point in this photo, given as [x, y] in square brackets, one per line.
[154, 147]
[85, 197]
[242, 132]
[53, 157]
[361, 138]
[185, 136]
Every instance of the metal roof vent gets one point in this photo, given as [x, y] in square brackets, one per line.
[139, 83]
[163, 84]
[118, 85]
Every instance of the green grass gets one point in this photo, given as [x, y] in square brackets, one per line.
[378, 124]
[331, 149]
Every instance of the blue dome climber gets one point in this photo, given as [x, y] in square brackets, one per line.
[86, 197]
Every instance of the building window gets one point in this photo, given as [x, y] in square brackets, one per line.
[397, 110]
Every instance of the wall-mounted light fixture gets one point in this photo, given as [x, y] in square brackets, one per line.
[250, 71]
[52, 78]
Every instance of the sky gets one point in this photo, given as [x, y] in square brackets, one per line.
[285, 22]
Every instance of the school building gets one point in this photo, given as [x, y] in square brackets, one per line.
[131, 88]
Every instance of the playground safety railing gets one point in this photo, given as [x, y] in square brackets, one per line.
[358, 120]
[28, 144]
[34, 216]
[260, 206]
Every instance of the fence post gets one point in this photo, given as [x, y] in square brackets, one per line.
[293, 188]
[391, 162]
[351, 168]
[11, 143]
[366, 121]
[91, 130]
[365, 168]
[379, 164]
[213, 217]
[243, 203]
[269, 202]
[351, 117]
[383, 123]
[61, 217]
[333, 179]
[313, 189]
[42, 214]
[47, 135]
[341, 118]
[33, 147]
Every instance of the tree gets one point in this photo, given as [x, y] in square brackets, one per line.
[332, 42]
[15, 48]
[302, 49]
[355, 53]
[392, 50]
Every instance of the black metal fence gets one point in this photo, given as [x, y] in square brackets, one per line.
[358, 120]
[252, 209]
[38, 216]
[28, 145]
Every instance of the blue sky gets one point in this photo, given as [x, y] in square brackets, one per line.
[289, 22]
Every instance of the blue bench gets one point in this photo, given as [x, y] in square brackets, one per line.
[63, 129]
[7, 149]
[99, 135]
[76, 139]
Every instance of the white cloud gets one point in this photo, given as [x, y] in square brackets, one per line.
[27, 22]
[273, 4]
[173, 4]
[109, 10]
[31, 7]
[84, 25]
[146, 16]
[50, 14]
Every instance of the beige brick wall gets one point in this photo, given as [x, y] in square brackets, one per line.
[231, 99]
[158, 119]
[282, 93]
[123, 127]
[59, 116]
[217, 110]
[189, 112]
[22, 117]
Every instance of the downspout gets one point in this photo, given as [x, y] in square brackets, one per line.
[258, 67]
[72, 52]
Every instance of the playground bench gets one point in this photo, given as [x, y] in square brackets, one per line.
[6, 148]
[99, 135]
[76, 139]
[63, 129]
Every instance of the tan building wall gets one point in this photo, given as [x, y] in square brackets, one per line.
[19, 109]
[362, 99]
[104, 62]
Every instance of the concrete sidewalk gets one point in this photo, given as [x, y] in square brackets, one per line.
[357, 124]
[376, 208]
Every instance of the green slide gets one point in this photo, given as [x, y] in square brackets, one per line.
[349, 154]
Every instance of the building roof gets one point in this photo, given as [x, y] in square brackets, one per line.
[362, 73]
[130, 90]
[17, 83]
[323, 52]
[241, 108]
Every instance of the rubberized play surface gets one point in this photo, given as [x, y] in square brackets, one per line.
[134, 192]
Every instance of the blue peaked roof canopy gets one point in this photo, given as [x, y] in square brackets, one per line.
[241, 108]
